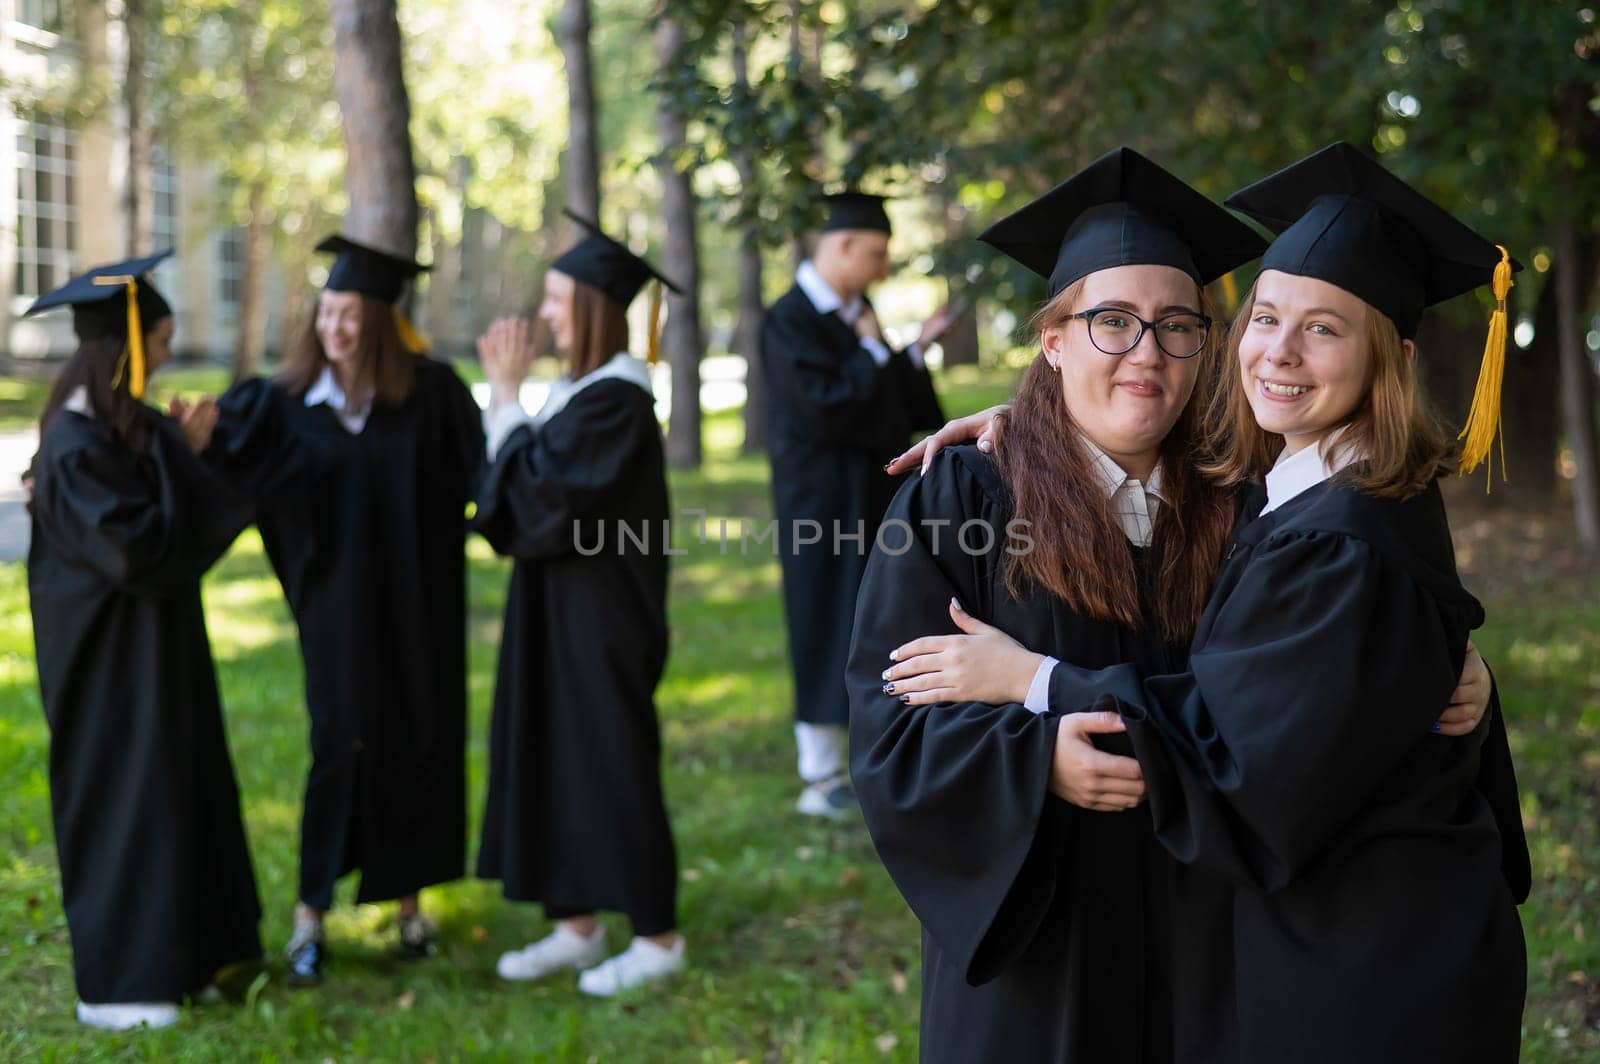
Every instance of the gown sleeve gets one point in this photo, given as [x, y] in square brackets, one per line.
[144, 527]
[253, 447]
[1320, 674]
[955, 795]
[836, 393]
[569, 469]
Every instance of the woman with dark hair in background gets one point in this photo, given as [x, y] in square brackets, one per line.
[155, 871]
[577, 494]
[361, 458]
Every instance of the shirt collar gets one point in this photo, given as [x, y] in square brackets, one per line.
[1294, 474]
[326, 391]
[822, 295]
[1113, 476]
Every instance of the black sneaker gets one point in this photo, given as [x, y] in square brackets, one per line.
[305, 954]
[417, 937]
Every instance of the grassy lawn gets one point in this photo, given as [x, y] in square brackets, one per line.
[799, 945]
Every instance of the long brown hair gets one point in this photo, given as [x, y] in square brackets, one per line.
[1403, 444]
[599, 329]
[1080, 553]
[382, 360]
[93, 366]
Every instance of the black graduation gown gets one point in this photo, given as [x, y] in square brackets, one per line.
[575, 816]
[1045, 926]
[835, 418]
[368, 543]
[155, 871]
[1364, 914]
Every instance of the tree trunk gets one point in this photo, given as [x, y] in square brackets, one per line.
[296, 304]
[133, 85]
[682, 344]
[583, 116]
[747, 332]
[1530, 407]
[369, 83]
[1577, 389]
[250, 340]
[801, 62]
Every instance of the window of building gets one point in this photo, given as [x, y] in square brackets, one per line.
[47, 232]
[231, 271]
[49, 15]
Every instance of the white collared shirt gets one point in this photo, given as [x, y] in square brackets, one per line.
[1134, 504]
[827, 301]
[326, 391]
[505, 413]
[1294, 474]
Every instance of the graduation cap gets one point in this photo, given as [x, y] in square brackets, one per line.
[1123, 210]
[603, 263]
[855, 210]
[379, 274]
[1342, 218]
[114, 300]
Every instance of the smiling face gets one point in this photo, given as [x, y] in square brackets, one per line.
[339, 326]
[1304, 358]
[1126, 404]
[555, 310]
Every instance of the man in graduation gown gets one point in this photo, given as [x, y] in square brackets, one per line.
[841, 403]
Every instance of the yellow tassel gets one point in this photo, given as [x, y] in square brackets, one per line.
[653, 330]
[409, 336]
[133, 354]
[1230, 293]
[1483, 421]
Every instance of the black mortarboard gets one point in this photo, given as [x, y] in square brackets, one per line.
[100, 309]
[363, 269]
[1344, 219]
[855, 210]
[600, 262]
[1123, 210]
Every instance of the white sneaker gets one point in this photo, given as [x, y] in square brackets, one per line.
[561, 948]
[832, 798]
[642, 962]
[125, 1017]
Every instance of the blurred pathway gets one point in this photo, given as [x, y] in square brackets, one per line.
[16, 448]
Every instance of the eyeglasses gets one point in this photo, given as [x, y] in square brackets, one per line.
[1111, 330]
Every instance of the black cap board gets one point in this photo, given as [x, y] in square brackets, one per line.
[855, 210]
[1123, 210]
[363, 269]
[1344, 219]
[99, 309]
[603, 263]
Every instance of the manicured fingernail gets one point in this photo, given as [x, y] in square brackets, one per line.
[957, 604]
[894, 655]
[885, 675]
[985, 446]
[906, 699]
[888, 688]
[1434, 728]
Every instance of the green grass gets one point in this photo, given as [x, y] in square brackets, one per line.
[800, 947]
